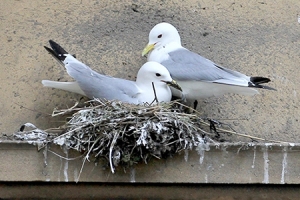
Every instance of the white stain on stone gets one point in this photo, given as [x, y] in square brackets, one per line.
[201, 148]
[206, 178]
[254, 156]
[266, 165]
[66, 165]
[186, 155]
[132, 175]
[284, 165]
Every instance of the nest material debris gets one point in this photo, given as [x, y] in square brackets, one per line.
[125, 134]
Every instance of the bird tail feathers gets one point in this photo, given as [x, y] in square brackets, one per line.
[67, 86]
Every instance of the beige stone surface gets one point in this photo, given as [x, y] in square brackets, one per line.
[254, 37]
[226, 163]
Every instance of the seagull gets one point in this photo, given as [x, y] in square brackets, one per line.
[198, 77]
[152, 82]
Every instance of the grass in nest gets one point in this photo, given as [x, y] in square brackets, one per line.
[126, 134]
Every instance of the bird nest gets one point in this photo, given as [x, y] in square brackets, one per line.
[125, 134]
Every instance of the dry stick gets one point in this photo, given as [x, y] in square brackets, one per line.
[220, 129]
[86, 157]
[110, 151]
[154, 110]
[232, 132]
[67, 133]
[54, 130]
[63, 157]
[155, 97]
[247, 136]
[192, 109]
[73, 108]
[33, 110]
[63, 111]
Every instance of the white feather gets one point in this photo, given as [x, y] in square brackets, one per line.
[67, 86]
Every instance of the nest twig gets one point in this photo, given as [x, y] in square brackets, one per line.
[125, 134]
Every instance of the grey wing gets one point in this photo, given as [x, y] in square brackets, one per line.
[185, 65]
[101, 86]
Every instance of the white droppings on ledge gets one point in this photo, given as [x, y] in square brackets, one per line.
[268, 144]
[254, 156]
[66, 166]
[76, 175]
[206, 178]
[284, 165]
[60, 169]
[45, 154]
[201, 147]
[132, 175]
[186, 155]
[266, 165]
[292, 144]
[59, 141]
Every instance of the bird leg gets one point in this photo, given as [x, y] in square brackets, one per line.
[195, 104]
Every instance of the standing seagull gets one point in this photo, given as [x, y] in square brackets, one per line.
[94, 85]
[197, 76]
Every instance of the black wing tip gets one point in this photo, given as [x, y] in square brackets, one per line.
[55, 54]
[258, 80]
[53, 44]
[57, 48]
[49, 49]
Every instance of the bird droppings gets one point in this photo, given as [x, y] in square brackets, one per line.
[123, 134]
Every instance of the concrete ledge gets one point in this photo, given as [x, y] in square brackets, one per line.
[224, 163]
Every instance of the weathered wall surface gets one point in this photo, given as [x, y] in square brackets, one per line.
[221, 164]
[256, 38]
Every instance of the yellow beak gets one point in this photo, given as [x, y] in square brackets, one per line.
[147, 49]
[173, 84]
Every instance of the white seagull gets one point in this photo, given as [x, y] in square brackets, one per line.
[197, 76]
[94, 85]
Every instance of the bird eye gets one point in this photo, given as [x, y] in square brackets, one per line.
[157, 74]
[159, 36]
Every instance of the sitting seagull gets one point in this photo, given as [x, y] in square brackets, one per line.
[94, 85]
[197, 76]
